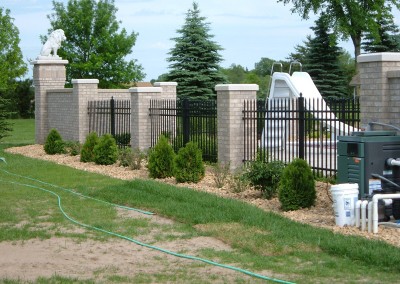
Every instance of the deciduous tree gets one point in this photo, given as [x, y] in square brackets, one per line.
[96, 47]
[350, 18]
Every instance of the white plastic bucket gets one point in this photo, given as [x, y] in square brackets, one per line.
[344, 197]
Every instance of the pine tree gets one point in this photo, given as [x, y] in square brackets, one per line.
[195, 58]
[322, 62]
[385, 38]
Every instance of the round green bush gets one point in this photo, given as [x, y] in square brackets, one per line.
[265, 176]
[106, 152]
[54, 143]
[161, 159]
[87, 154]
[297, 186]
[189, 166]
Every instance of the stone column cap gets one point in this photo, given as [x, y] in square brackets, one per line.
[49, 62]
[145, 90]
[236, 87]
[85, 81]
[378, 57]
[160, 84]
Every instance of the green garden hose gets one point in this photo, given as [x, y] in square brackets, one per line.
[122, 236]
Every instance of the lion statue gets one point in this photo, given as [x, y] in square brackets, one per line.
[52, 44]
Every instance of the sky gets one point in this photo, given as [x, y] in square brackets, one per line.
[247, 30]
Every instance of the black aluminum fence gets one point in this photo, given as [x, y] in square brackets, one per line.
[111, 117]
[305, 128]
[186, 120]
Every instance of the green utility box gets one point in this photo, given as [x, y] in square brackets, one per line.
[365, 153]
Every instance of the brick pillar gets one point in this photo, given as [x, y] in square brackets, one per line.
[84, 90]
[47, 74]
[379, 92]
[168, 90]
[140, 119]
[230, 123]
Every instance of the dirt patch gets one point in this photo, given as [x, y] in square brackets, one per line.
[90, 259]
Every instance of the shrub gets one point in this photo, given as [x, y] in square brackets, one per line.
[106, 152]
[161, 159]
[189, 166]
[238, 183]
[136, 158]
[220, 172]
[123, 139]
[73, 147]
[131, 158]
[87, 154]
[297, 186]
[265, 176]
[54, 143]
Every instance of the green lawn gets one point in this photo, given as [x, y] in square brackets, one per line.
[262, 242]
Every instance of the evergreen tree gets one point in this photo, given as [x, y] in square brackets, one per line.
[322, 62]
[384, 39]
[96, 47]
[195, 58]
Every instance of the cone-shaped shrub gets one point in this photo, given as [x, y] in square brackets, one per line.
[54, 143]
[87, 154]
[161, 159]
[297, 186]
[189, 165]
[106, 152]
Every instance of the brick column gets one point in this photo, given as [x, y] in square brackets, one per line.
[168, 90]
[140, 119]
[47, 74]
[379, 92]
[83, 91]
[230, 123]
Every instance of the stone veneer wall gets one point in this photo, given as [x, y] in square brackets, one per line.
[380, 88]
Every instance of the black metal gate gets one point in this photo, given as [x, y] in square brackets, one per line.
[111, 117]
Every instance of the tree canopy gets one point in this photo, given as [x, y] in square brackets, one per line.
[96, 47]
[195, 58]
[12, 65]
[349, 18]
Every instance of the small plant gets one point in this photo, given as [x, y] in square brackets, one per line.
[124, 156]
[136, 158]
[131, 158]
[238, 182]
[106, 152]
[297, 186]
[161, 159]
[265, 176]
[73, 147]
[189, 166]
[220, 172]
[87, 154]
[54, 143]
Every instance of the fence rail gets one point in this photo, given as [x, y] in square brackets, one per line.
[305, 128]
[111, 117]
[186, 120]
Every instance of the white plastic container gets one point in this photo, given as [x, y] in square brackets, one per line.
[344, 197]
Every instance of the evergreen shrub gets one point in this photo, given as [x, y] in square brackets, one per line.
[161, 159]
[87, 154]
[297, 186]
[54, 143]
[106, 151]
[73, 147]
[189, 166]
